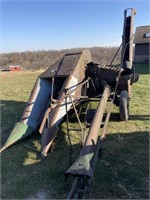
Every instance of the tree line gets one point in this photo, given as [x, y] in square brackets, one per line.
[36, 60]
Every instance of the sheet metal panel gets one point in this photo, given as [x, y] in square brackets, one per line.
[63, 67]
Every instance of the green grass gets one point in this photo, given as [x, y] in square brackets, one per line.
[122, 173]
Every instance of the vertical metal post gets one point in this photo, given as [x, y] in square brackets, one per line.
[67, 119]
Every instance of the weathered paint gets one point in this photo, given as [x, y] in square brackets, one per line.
[37, 103]
[19, 132]
[71, 70]
[62, 109]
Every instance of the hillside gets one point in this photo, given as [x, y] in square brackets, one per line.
[36, 60]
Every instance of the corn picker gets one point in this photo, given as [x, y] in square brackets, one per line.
[66, 84]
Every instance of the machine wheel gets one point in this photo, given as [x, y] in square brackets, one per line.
[124, 105]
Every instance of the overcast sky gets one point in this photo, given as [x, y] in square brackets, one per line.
[44, 25]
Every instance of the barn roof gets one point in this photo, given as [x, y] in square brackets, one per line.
[142, 35]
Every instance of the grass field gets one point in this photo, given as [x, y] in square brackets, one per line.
[122, 173]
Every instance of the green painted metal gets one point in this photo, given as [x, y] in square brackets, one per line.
[82, 166]
[19, 132]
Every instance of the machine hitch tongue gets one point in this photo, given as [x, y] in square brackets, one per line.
[82, 168]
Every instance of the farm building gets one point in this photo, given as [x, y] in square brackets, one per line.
[15, 68]
[141, 41]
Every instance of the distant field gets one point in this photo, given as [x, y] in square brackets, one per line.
[122, 173]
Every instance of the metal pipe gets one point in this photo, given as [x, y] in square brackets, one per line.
[73, 188]
[133, 12]
[127, 39]
[96, 122]
[83, 165]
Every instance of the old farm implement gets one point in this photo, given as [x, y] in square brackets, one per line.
[68, 83]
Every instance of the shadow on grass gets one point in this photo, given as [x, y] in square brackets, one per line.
[140, 117]
[121, 173]
[11, 112]
[116, 118]
[142, 68]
